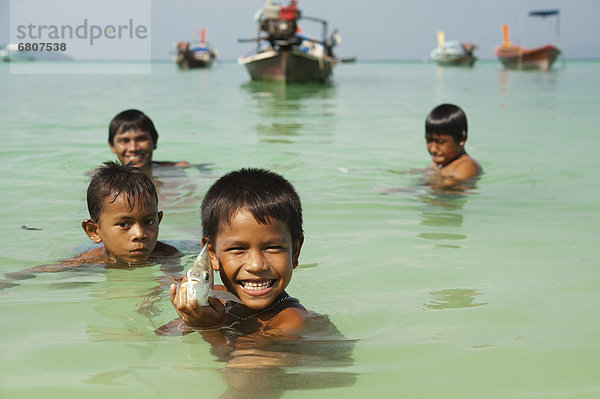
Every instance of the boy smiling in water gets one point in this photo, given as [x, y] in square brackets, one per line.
[446, 135]
[252, 226]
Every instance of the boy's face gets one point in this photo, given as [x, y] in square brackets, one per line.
[443, 148]
[134, 146]
[255, 260]
[129, 233]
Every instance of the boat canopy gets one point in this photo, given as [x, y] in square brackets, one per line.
[543, 13]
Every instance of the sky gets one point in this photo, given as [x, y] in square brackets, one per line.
[374, 29]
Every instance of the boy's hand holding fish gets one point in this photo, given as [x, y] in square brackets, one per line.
[193, 314]
[195, 300]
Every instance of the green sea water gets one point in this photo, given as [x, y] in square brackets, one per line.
[490, 293]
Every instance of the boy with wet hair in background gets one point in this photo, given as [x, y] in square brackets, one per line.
[446, 135]
[133, 137]
[252, 227]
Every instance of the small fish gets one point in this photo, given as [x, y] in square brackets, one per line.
[200, 282]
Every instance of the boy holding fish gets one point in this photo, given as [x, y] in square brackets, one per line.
[252, 236]
[446, 135]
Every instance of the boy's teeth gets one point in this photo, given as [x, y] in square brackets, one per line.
[256, 286]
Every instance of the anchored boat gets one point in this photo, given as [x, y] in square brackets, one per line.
[284, 53]
[517, 57]
[453, 52]
[195, 54]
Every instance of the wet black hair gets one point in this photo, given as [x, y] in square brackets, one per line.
[266, 194]
[447, 119]
[131, 119]
[114, 179]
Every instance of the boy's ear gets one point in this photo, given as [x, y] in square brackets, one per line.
[463, 139]
[91, 229]
[112, 148]
[160, 215]
[212, 255]
[296, 251]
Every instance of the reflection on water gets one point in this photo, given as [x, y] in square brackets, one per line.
[177, 187]
[442, 219]
[267, 367]
[454, 298]
[439, 86]
[283, 110]
[524, 80]
[113, 299]
[443, 211]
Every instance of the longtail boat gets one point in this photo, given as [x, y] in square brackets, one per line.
[517, 57]
[453, 52]
[284, 53]
[195, 54]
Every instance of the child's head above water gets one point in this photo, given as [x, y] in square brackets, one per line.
[132, 137]
[252, 222]
[446, 134]
[265, 194]
[447, 119]
[123, 207]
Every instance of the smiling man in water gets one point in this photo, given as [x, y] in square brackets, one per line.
[133, 137]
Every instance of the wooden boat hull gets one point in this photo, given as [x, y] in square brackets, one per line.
[466, 60]
[190, 63]
[187, 60]
[195, 55]
[516, 57]
[288, 66]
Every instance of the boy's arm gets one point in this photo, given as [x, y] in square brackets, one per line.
[454, 175]
[180, 164]
[11, 278]
[67, 264]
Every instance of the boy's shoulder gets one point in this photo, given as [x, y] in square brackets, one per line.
[163, 249]
[284, 317]
[97, 255]
[462, 168]
[91, 256]
[288, 321]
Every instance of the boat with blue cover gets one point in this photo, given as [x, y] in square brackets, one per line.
[517, 57]
[195, 54]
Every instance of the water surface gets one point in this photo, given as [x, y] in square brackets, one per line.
[489, 293]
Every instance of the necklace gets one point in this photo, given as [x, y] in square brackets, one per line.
[272, 306]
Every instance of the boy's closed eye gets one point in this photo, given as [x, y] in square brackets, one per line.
[275, 248]
[235, 250]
